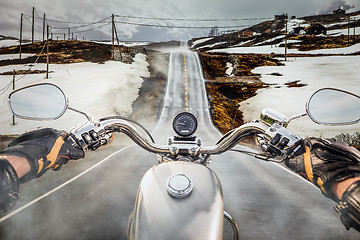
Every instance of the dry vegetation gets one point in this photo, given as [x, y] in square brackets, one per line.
[64, 52]
[226, 92]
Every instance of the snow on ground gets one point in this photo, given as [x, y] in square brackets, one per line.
[212, 45]
[271, 40]
[280, 50]
[8, 43]
[98, 89]
[317, 72]
[200, 41]
[15, 56]
[229, 69]
[339, 32]
[125, 44]
[293, 23]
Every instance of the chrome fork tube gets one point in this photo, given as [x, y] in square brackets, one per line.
[233, 224]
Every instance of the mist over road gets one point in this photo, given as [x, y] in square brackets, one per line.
[267, 201]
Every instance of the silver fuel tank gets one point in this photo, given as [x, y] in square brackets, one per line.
[194, 211]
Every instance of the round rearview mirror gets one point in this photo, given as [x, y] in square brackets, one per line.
[333, 107]
[38, 102]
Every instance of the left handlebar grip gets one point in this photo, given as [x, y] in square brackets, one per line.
[75, 143]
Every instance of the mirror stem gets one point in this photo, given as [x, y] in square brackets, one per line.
[87, 116]
[297, 116]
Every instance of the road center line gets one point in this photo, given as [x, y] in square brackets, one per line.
[57, 188]
[186, 85]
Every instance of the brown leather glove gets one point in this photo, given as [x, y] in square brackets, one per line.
[327, 161]
[44, 148]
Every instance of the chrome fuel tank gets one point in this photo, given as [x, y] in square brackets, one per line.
[178, 200]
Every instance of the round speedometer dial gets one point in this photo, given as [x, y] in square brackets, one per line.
[185, 124]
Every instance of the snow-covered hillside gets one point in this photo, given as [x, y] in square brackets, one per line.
[97, 89]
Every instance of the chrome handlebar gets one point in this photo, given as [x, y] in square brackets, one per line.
[85, 133]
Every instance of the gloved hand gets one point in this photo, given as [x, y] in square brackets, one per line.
[44, 148]
[328, 161]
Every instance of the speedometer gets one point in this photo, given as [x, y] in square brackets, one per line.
[185, 124]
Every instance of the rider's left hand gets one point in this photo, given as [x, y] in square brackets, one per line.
[44, 148]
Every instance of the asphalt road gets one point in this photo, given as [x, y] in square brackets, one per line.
[93, 198]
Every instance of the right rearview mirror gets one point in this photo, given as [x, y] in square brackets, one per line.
[38, 102]
[334, 107]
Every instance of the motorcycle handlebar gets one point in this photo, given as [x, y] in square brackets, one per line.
[225, 143]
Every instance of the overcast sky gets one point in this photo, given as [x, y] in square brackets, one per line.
[87, 11]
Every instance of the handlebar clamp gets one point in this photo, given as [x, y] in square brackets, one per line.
[283, 142]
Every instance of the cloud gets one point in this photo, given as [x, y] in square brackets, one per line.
[93, 10]
[335, 4]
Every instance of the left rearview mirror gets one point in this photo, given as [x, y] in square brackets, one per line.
[38, 102]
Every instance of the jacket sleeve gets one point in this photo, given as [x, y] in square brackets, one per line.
[9, 185]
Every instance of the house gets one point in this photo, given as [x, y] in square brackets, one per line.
[246, 33]
[339, 11]
[281, 17]
[298, 30]
[315, 29]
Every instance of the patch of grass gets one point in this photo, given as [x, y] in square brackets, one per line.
[351, 139]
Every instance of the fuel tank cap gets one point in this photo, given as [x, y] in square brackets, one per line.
[179, 186]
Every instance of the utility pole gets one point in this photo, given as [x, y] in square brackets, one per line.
[47, 53]
[64, 36]
[44, 28]
[21, 25]
[112, 34]
[349, 31]
[117, 42]
[72, 36]
[69, 34]
[354, 29]
[33, 25]
[286, 20]
[14, 73]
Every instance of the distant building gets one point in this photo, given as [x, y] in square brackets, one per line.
[214, 32]
[339, 11]
[315, 29]
[298, 30]
[281, 17]
[246, 33]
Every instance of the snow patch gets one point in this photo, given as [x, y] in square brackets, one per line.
[317, 72]
[199, 41]
[280, 50]
[98, 89]
[230, 68]
[15, 56]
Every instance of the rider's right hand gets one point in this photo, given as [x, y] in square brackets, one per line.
[327, 162]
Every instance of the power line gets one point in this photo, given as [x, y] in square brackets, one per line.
[173, 26]
[85, 25]
[192, 19]
[86, 30]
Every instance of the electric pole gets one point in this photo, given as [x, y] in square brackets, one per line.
[286, 20]
[33, 25]
[349, 31]
[14, 74]
[69, 34]
[47, 52]
[21, 25]
[112, 34]
[44, 28]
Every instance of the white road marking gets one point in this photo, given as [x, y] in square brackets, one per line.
[57, 188]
